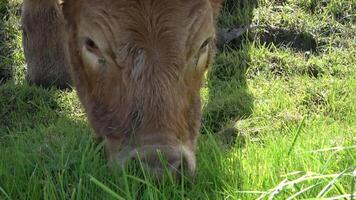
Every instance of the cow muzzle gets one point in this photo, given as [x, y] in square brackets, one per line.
[159, 159]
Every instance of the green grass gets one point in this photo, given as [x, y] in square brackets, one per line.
[279, 117]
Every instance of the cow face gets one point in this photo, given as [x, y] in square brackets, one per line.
[138, 66]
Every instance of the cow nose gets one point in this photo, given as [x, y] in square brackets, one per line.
[159, 160]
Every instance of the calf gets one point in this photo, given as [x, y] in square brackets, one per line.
[138, 66]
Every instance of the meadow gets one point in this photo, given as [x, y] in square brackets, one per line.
[279, 116]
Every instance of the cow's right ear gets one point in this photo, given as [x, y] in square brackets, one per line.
[71, 11]
[216, 5]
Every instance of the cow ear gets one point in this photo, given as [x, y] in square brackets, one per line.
[217, 5]
[71, 9]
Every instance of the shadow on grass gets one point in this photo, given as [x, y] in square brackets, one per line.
[229, 99]
[27, 107]
[5, 72]
[8, 10]
[42, 143]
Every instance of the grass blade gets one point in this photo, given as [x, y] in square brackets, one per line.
[330, 184]
[353, 184]
[302, 191]
[278, 189]
[3, 191]
[344, 196]
[332, 149]
[147, 183]
[296, 136]
[105, 188]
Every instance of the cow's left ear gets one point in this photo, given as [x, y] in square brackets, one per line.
[217, 5]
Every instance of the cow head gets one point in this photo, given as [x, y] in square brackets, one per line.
[138, 66]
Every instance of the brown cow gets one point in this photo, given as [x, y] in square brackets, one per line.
[138, 66]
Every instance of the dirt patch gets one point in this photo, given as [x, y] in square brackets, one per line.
[295, 39]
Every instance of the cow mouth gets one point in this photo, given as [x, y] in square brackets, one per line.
[158, 159]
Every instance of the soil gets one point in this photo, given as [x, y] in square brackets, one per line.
[297, 40]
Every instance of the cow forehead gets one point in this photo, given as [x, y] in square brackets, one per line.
[152, 13]
[114, 4]
[164, 25]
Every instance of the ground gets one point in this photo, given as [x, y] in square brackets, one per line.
[279, 116]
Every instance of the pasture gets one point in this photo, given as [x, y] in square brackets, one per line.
[279, 116]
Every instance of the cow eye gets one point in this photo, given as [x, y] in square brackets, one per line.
[205, 44]
[90, 45]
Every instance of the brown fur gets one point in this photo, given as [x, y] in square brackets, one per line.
[144, 88]
[44, 44]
